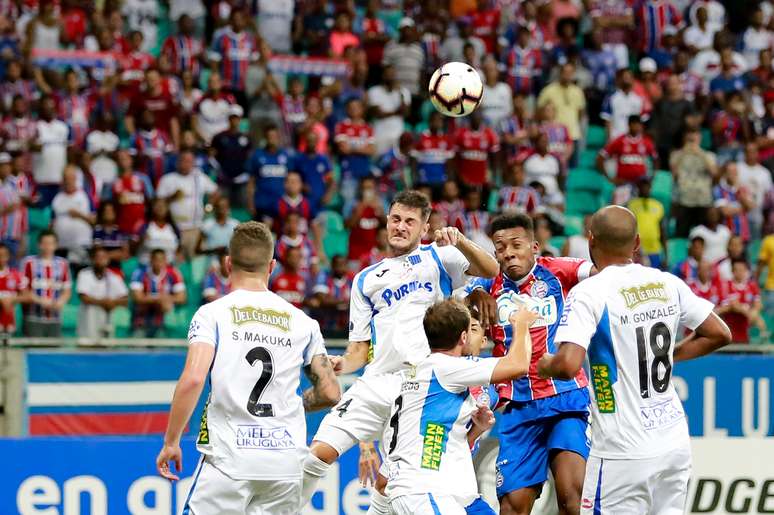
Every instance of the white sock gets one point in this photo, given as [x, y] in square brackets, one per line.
[314, 470]
[379, 504]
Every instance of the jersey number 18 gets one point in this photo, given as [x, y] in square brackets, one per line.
[660, 339]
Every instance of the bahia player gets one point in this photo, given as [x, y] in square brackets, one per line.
[626, 319]
[544, 421]
[387, 304]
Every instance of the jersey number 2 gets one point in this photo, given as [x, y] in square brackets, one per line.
[267, 372]
[660, 344]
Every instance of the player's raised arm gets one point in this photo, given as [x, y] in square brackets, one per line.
[189, 388]
[516, 363]
[325, 390]
[481, 262]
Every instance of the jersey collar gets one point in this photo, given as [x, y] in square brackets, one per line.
[524, 279]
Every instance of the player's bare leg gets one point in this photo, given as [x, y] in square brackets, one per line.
[519, 502]
[569, 470]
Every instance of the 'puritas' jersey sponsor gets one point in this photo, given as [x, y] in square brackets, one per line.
[426, 437]
[542, 290]
[628, 318]
[389, 300]
[253, 426]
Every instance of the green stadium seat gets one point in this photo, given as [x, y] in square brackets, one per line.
[128, 266]
[753, 251]
[588, 158]
[573, 225]
[199, 266]
[243, 215]
[596, 137]
[558, 241]
[335, 234]
[582, 202]
[678, 249]
[40, 218]
[706, 139]
[583, 179]
[69, 320]
[121, 318]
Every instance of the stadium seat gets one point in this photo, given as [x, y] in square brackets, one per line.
[40, 218]
[573, 225]
[243, 215]
[199, 266]
[581, 202]
[753, 251]
[122, 321]
[706, 139]
[596, 137]
[662, 189]
[588, 158]
[678, 249]
[128, 266]
[558, 241]
[583, 179]
[69, 320]
[335, 235]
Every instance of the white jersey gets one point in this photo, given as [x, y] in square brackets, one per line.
[628, 318]
[254, 425]
[426, 438]
[389, 300]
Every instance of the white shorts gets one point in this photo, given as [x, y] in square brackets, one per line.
[426, 504]
[362, 413]
[214, 493]
[652, 486]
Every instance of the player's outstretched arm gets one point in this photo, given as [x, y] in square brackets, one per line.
[565, 364]
[325, 390]
[354, 358]
[516, 363]
[189, 388]
[711, 335]
[482, 263]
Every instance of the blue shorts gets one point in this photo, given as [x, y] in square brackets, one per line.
[531, 432]
[479, 507]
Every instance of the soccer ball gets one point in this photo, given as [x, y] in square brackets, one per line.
[456, 89]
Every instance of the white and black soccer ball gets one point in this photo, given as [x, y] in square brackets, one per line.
[456, 89]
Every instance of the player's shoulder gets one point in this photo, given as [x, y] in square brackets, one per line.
[367, 272]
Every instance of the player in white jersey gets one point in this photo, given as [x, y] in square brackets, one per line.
[435, 420]
[252, 436]
[387, 304]
[626, 319]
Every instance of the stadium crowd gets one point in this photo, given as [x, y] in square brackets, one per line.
[136, 133]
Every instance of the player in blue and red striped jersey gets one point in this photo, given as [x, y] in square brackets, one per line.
[46, 288]
[734, 201]
[216, 283]
[235, 48]
[156, 289]
[183, 50]
[432, 152]
[74, 107]
[151, 146]
[544, 421]
[651, 17]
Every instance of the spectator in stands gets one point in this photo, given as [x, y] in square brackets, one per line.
[388, 106]
[631, 152]
[108, 236]
[356, 145]
[10, 287]
[45, 288]
[317, 174]
[766, 260]
[185, 191]
[757, 181]
[216, 230]
[159, 233]
[73, 218]
[211, 113]
[10, 209]
[621, 104]
[184, 50]
[293, 237]
[730, 127]
[734, 251]
[100, 291]
[757, 37]
[380, 250]
[577, 245]
[524, 63]
[234, 49]
[559, 142]
[156, 289]
[714, 234]
[101, 145]
[131, 192]
[543, 238]
[216, 282]
[570, 103]
[542, 166]
[231, 149]
[342, 36]
[651, 18]
[513, 195]
[50, 145]
[733, 201]
[476, 219]
[268, 168]
[497, 102]
[688, 267]
[651, 224]
[152, 147]
[406, 56]
[700, 35]
[293, 201]
[477, 152]
[694, 170]
[704, 284]
[667, 121]
[153, 97]
[20, 130]
[740, 302]
[330, 295]
[729, 79]
[363, 223]
[289, 283]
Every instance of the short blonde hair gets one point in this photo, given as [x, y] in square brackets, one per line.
[251, 247]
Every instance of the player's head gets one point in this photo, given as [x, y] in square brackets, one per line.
[513, 236]
[251, 251]
[407, 221]
[446, 325]
[613, 236]
[476, 335]
[740, 270]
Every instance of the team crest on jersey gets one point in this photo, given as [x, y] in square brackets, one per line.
[252, 315]
[539, 289]
[650, 292]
